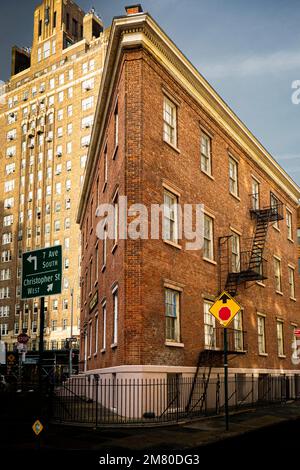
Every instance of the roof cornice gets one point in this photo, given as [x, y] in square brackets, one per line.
[141, 30]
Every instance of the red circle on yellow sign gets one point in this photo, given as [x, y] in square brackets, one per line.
[224, 313]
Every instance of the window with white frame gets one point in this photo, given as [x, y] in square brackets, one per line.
[46, 49]
[9, 186]
[235, 253]
[87, 103]
[4, 329]
[61, 97]
[233, 177]
[205, 153]
[104, 244]
[87, 122]
[103, 326]
[170, 121]
[116, 217]
[208, 247]
[255, 194]
[209, 327]
[280, 340]
[6, 238]
[292, 281]
[96, 332]
[289, 224]
[274, 204]
[170, 226]
[261, 334]
[115, 315]
[172, 303]
[277, 274]
[4, 311]
[238, 332]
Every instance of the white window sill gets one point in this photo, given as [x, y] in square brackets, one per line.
[104, 186]
[114, 345]
[172, 146]
[282, 356]
[103, 351]
[174, 344]
[293, 299]
[211, 261]
[89, 357]
[174, 244]
[276, 228]
[263, 354]
[208, 174]
[259, 283]
[95, 354]
[235, 196]
[103, 268]
[279, 292]
[291, 240]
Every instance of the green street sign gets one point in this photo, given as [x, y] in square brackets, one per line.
[41, 272]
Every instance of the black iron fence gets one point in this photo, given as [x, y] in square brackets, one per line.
[33, 345]
[95, 401]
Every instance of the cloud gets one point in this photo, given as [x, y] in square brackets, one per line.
[281, 61]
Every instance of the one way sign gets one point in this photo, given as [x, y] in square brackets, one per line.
[42, 272]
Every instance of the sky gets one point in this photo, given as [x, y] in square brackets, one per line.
[249, 51]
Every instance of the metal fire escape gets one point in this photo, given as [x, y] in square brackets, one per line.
[251, 267]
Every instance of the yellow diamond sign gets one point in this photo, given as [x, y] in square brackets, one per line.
[225, 309]
[37, 427]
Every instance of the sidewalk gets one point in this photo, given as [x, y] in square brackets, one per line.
[123, 441]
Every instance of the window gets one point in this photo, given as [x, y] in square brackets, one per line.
[209, 327]
[172, 315]
[60, 114]
[277, 273]
[208, 248]
[61, 79]
[238, 332]
[60, 96]
[40, 27]
[85, 141]
[88, 84]
[292, 281]
[233, 177]
[57, 225]
[71, 74]
[275, 205]
[4, 329]
[116, 125]
[206, 153]
[4, 311]
[65, 304]
[90, 337]
[235, 253]
[289, 224]
[170, 122]
[255, 194]
[96, 262]
[104, 250]
[170, 227]
[64, 324]
[116, 218]
[53, 325]
[83, 161]
[87, 103]
[103, 326]
[96, 332]
[9, 186]
[66, 263]
[105, 164]
[87, 122]
[46, 49]
[70, 129]
[6, 238]
[115, 319]
[54, 19]
[298, 236]
[280, 343]
[261, 334]
[59, 132]
[70, 92]
[70, 110]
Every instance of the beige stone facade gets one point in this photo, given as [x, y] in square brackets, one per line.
[46, 118]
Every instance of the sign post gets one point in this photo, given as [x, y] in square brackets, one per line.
[224, 310]
[41, 276]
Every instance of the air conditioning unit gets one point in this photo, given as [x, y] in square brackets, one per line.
[86, 145]
[87, 87]
[25, 98]
[58, 153]
[42, 89]
[12, 115]
[49, 138]
[31, 132]
[31, 146]
[11, 137]
[8, 206]
[87, 126]
[10, 154]
[40, 130]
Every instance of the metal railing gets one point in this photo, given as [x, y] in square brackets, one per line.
[96, 401]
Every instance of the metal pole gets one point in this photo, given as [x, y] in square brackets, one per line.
[226, 380]
[71, 334]
[41, 339]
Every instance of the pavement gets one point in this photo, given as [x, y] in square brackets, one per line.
[204, 436]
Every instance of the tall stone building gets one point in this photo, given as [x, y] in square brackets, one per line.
[46, 117]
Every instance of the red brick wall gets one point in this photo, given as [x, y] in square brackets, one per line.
[144, 161]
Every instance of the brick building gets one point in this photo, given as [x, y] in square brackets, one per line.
[46, 117]
[163, 135]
